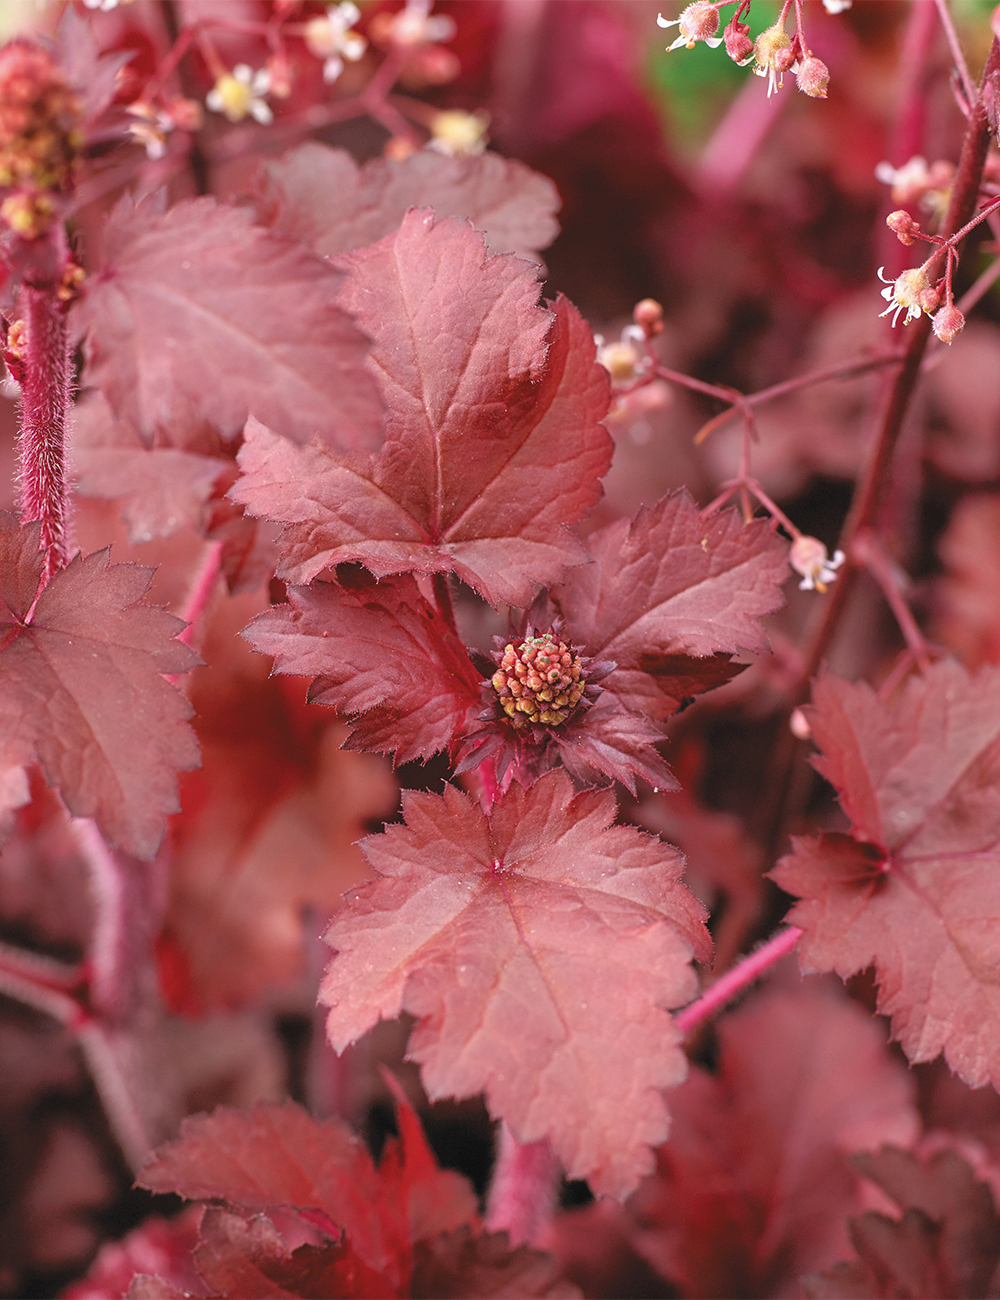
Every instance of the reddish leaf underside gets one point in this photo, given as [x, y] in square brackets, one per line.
[670, 596]
[493, 441]
[538, 948]
[202, 317]
[322, 197]
[273, 1156]
[81, 683]
[946, 1243]
[753, 1186]
[381, 655]
[242, 1256]
[916, 892]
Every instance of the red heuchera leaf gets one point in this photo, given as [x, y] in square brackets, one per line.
[493, 441]
[158, 1246]
[322, 197]
[279, 1156]
[916, 891]
[947, 1242]
[669, 597]
[268, 828]
[81, 673]
[201, 316]
[242, 1256]
[162, 489]
[457, 1265]
[753, 1185]
[380, 654]
[968, 615]
[516, 939]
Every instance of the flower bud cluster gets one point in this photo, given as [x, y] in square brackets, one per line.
[916, 182]
[539, 680]
[903, 226]
[912, 292]
[773, 53]
[39, 136]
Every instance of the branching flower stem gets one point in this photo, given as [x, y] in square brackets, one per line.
[870, 494]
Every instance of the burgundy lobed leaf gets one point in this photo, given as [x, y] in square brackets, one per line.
[273, 1156]
[200, 316]
[968, 620]
[82, 676]
[913, 891]
[515, 939]
[381, 655]
[753, 1186]
[322, 197]
[669, 597]
[156, 1248]
[493, 441]
[457, 1265]
[245, 1257]
[611, 743]
[269, 824]
[946, 1242]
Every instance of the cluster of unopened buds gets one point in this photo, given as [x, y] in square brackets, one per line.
[773, 53]
[539, 680]
[40, 136]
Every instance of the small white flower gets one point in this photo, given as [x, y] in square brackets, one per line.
[105, 6]
[330, 38]
[459, 134]
[627, 359]
[414, 25]
[810, 557]
[768, 45]
[698, 22]
[909, 182]
[150, 128]
[911, 292]
[836, 6]
[240, 93]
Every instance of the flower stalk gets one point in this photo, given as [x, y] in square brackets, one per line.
[45, 375]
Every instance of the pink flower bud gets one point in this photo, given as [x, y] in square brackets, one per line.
[739, 46]
[813, 77]
[784, 59]
[948, 322]
[903, 225]
[648, 315]
[699, 21]
[929, 299]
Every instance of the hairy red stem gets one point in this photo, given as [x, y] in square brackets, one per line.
[522, 1195]
[45, 405]
[737, 978]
